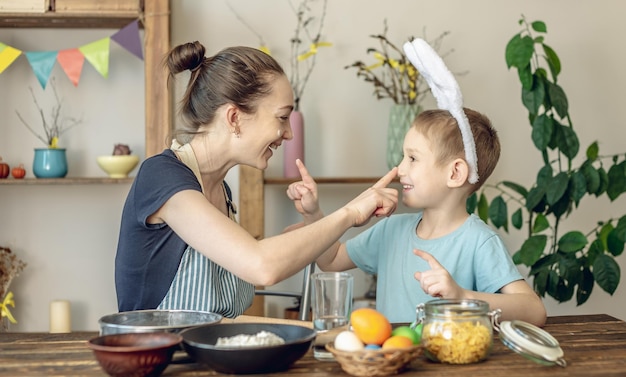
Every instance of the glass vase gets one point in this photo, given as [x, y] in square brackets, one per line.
[294, 148]
[400, 119]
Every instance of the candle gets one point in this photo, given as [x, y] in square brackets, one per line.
[60, 317]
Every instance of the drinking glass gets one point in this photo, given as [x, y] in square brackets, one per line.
[331, 304]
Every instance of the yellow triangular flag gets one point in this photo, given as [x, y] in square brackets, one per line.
[97, 53]
[8, 55]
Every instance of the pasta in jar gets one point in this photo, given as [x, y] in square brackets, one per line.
[456, 331]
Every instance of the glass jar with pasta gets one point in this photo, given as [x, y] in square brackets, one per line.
[457, 331]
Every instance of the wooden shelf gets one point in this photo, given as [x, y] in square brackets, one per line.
[320, 180]
[101, 20]
[323, 180]
[64, 181]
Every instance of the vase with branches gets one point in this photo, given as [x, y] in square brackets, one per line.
[395, 78]
[54, 126]
[10, 267]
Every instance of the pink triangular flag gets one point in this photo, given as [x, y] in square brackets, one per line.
[128, 37]
[71, 60]
[97, 53]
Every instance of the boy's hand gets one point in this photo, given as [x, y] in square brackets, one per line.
[437, 281]
[304, 195]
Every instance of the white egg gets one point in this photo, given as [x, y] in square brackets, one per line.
[348, 341]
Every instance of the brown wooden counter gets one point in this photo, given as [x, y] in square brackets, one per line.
[594, 345]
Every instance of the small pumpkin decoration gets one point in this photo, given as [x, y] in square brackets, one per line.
[4, 169]
[18, 172]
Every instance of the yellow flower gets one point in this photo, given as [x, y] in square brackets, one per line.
[4, 307]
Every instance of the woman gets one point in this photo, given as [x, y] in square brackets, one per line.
[179, 247]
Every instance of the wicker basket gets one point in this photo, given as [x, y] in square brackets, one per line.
[374, 362]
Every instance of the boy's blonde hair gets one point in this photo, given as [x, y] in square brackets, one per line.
[442, 130]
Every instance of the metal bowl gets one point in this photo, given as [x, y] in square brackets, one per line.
[142, 321]
[199, 342]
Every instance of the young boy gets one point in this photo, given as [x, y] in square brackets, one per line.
[440, 251]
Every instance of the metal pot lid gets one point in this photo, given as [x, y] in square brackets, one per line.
[531, 342]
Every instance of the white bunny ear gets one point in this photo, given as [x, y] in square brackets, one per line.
[446, 91]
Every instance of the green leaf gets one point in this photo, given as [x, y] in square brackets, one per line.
[542, 132]
[483, 208]
[592, 151]
[519, 51]
[541, 223]
[603, 235]
[604, 181]
[471, 203]
[532, 248]
[544, 176]
[540, 282]
[539, 26]
[498, 213]
[595, 248]
[568, 142]
[553, 284]
[525, 76]
[578, 186]
[557, 187]
[534, 200]
[571, 270]
[585, 287]
[516, 187]
[617, 182]
[533, 98]
[621, 228]
[561, 207]
[614, 244]
[517, 219]
[545, 263]
[558, 99]
[565, 291]
[553, 61]
[572, 241]
[606, 272]
[592, 177]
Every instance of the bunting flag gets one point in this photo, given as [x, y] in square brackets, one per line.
[97, 53]
[42, 63]
[128, 37]
[72, 59]
[8, 55]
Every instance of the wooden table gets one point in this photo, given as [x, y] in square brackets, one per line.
[594, 345]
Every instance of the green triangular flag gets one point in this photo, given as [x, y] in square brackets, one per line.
[97, 53]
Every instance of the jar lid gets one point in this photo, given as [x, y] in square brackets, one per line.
[531, 342]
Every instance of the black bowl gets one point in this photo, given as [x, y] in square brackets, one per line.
[199, 342]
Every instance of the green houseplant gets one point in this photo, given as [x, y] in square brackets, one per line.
[560, 264]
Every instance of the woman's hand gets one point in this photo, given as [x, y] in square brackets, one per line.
[304, 195]
[378, 200]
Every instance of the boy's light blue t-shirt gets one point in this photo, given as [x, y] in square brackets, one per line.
[474, 255]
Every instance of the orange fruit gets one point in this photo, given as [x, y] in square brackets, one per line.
[397, 341]
[371, 326]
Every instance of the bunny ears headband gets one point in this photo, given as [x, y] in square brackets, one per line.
[446, 90]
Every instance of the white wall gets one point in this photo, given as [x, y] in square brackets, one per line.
[72, 255]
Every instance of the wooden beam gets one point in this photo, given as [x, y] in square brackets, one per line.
[252, 217]
[158, 99]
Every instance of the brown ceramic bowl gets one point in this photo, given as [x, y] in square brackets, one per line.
[135, 354]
